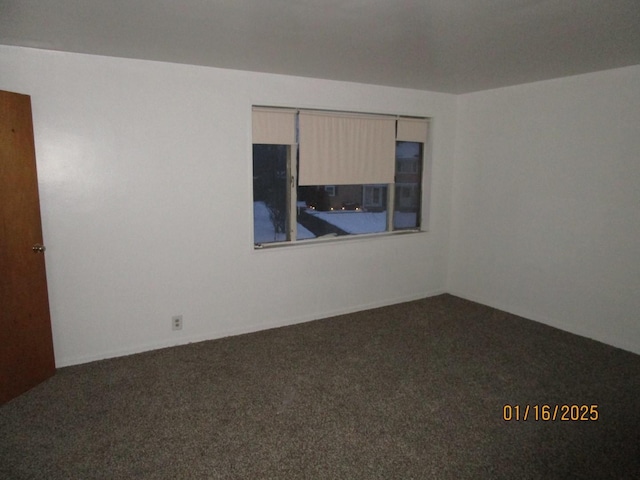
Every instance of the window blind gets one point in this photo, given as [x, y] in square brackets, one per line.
[345, 149]
[274, 126]
[412, 130]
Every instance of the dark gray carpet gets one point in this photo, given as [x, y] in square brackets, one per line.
[409, 391]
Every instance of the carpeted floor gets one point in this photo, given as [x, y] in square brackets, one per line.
[410, 391]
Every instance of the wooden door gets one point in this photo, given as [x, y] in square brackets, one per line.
[26, 347]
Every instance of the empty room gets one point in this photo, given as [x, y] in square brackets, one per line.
[355, 239]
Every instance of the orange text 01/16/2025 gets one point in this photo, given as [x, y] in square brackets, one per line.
[550, 413]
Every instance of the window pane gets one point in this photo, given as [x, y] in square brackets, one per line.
[341, 209]
[270, 193]
[407, 198]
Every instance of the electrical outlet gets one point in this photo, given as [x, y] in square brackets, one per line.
[176, 322]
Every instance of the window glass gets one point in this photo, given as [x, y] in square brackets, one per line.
[342, 209]
[407, 198]
[270, 194]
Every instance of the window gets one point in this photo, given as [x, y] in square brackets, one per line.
[374, 195]
[408, 197]
[270, 192]
[320, 174]
[331, 190]
[407, 166]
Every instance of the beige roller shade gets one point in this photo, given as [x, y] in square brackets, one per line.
[344, 149]
[412, 130]
[274, 126]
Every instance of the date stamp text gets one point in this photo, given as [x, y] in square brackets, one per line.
[550, 413]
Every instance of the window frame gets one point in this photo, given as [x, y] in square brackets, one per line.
[390, 230]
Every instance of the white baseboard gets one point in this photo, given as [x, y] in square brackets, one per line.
[145, 347]
[622, 343]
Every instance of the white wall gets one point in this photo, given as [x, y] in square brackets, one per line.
[145, 183]
[546, 203]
